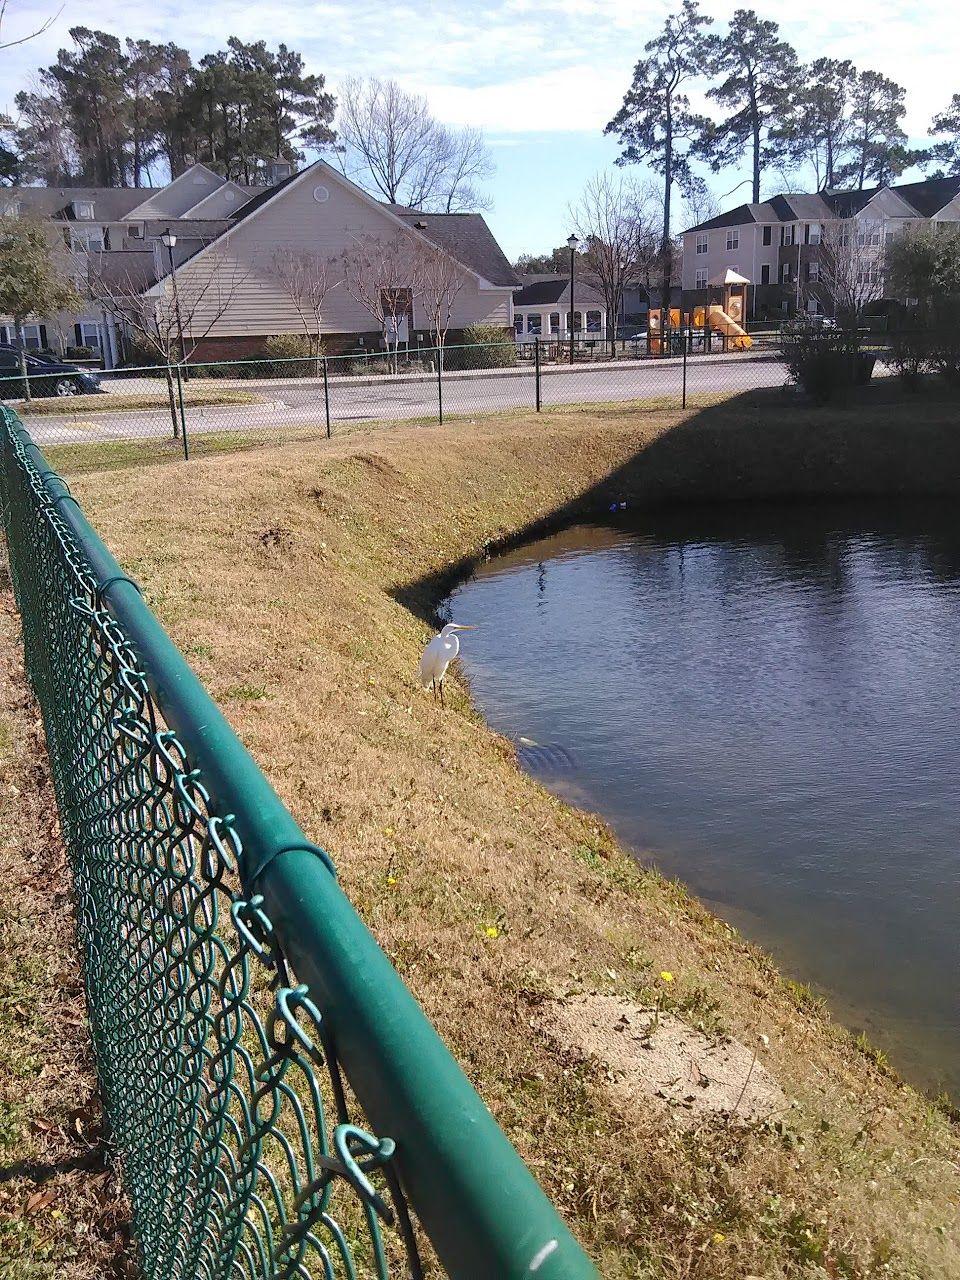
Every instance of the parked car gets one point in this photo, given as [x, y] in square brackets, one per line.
[47, 376]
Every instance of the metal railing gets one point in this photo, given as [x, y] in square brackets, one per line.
[237, 1003]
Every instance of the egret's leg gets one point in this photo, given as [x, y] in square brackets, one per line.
[441, 693]
[434, 690]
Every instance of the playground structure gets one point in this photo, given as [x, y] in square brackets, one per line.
[726, 318]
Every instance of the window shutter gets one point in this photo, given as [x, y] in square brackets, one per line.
[43, 335]
[77, 335]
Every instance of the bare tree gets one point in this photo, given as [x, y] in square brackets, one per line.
[393, 147]
[616, 221]
[173, 321]
[440, 279]
[38, 31]
[384, 277]
[306, 278]
[849, 268]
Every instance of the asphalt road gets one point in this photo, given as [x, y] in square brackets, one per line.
[301, 402]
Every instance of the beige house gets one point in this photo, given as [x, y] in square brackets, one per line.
[777, 245]
[228, 238]
[122, 224]
[238, 299]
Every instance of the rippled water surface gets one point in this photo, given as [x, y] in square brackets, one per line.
[767, 699]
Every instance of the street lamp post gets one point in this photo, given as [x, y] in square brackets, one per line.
[169, 240]
[572, 243]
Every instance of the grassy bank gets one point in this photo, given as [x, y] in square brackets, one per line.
[299, 582]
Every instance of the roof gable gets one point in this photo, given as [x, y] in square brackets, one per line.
[931, 196]
[180, 195]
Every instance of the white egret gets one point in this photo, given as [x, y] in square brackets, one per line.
[438, 655]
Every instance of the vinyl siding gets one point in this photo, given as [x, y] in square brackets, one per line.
[294, 218]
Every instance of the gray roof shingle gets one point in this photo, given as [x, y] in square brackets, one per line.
[541, 289]
[466, 237]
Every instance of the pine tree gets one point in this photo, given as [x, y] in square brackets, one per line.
[656, 123]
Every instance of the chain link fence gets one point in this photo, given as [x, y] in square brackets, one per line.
[279, 1104]
[170, 411]
[128, 415]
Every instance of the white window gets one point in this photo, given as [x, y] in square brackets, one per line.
[733, 238]
[33, 337]
[594, 322]
[814, 271]
[534, 322]
[88, 333]
[703, 242]
[554, 321]
[577, 320]
[813, 232]
[784, 272]
[701, 281]
[87, 241]
[786, 235]
[12, 210]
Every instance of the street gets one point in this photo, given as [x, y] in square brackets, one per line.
[300, 402]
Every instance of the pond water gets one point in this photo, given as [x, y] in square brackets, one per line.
[765, 700]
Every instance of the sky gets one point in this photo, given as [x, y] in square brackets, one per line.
[540, 77]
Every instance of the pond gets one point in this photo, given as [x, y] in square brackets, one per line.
[765, 701]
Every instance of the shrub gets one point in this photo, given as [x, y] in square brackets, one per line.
[485, 346]
[300, 353]
[825, 362]
[79, 353]
[911, 354]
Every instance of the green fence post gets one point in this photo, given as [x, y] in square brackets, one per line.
[536, 368]
[686, 340]
[183, 416]
[326, 395]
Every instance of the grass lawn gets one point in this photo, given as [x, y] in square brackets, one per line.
[299, 582]
[117, 402]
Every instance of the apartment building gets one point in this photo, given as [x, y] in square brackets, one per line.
[778, 244]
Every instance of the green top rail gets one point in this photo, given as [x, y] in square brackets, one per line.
[477, 1202]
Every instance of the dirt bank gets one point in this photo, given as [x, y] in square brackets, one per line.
[298, 582]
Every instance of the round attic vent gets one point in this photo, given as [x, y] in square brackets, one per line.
[321, 195]
[229, 196]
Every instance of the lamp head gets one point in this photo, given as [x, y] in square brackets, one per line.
[168, 238]
[572, 242]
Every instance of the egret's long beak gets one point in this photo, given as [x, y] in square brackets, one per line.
[464, 626]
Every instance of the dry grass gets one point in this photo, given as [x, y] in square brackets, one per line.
[118, 402]
[61, 1214]
[282, 574]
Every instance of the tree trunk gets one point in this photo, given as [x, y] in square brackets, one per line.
[174, 413]
[18, 325]
[667, 245]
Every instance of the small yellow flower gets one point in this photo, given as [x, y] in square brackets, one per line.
[391, 880]
[492, 931]
[718, 1237]
[666, 975]
[388, 831]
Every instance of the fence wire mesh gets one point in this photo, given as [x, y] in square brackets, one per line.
[242, 1151]
[171, 411]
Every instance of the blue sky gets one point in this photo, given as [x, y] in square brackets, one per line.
[540, 77]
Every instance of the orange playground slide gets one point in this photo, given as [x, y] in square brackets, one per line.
[718, 319]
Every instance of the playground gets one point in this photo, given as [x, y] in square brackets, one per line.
[718, 324]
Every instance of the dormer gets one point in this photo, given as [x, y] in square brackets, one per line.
[278, 171]
[82, 210]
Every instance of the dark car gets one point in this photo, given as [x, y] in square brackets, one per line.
[47, 376]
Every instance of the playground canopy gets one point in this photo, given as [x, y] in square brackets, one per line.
[727, 278]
